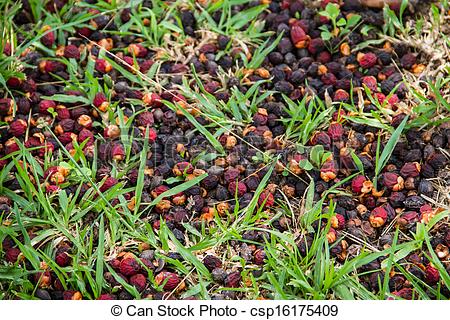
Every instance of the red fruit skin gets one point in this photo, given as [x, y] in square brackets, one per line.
[184, 167]
[63, 113]
[357, 183]
[85, 134]
[341, 221]
[129, 267]
[145, 65]
[46, 148]
[341, 95]
[99, 99]
[43, 279]
[6, 106]
[231, 174]
[336, 131]
[152, 135]
[370, 82]
[159, 190]
[145, 119]
[329, 79]
[404, 293]
[299, 37]
[378, 217]
[102, 66]
[393, 100]
[328, 170]
[48, 39]
[368, 60]
[391, 181]
[138, 50]
[324, 57]
[266, 199]
[71, 52]
[52, 189]
[172, 280]
[240, 188]
[139, 281]
[107, 296]
[208, 48]
[12, 254]
[14, 82]
[44, 105]
[108, 184]
[324, 3]
[117, 152]
[381, 97]
[431, 275]
[410, 169]
[321, 138]
[62, 259]
[18, 128]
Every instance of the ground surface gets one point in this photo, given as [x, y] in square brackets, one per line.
[226, 149]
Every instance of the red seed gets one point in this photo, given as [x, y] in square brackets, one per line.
[367, 60]
[336, 131]
[410, 169]
[145, 119]
[324, 57]
[211, 262]
[328, 171]
[408, 60]
[266, 198]
[44, 105]
[321, 138]
[12, 254]
[341, 95]
[18, 128]
[118, 152]
[431, 275]
[378, 217]
[238, 188]
[172, 280]
[298, 36]
[182, 168]
[48, 39]
[72, 51]
[138, 50]
[357, 184]
[102, 66]
[329, 79]
[107, 296]
[393, 181]
[139, 281]
[62, 259]
[316, 45]
[158, 191]
[233, 279]
[370, 82]
[108, 184]
[85, 134]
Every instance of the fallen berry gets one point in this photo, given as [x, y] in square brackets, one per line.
[139, 281]
[129, 267]
[170, 279]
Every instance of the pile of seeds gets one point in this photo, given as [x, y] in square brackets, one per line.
[366, 200]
